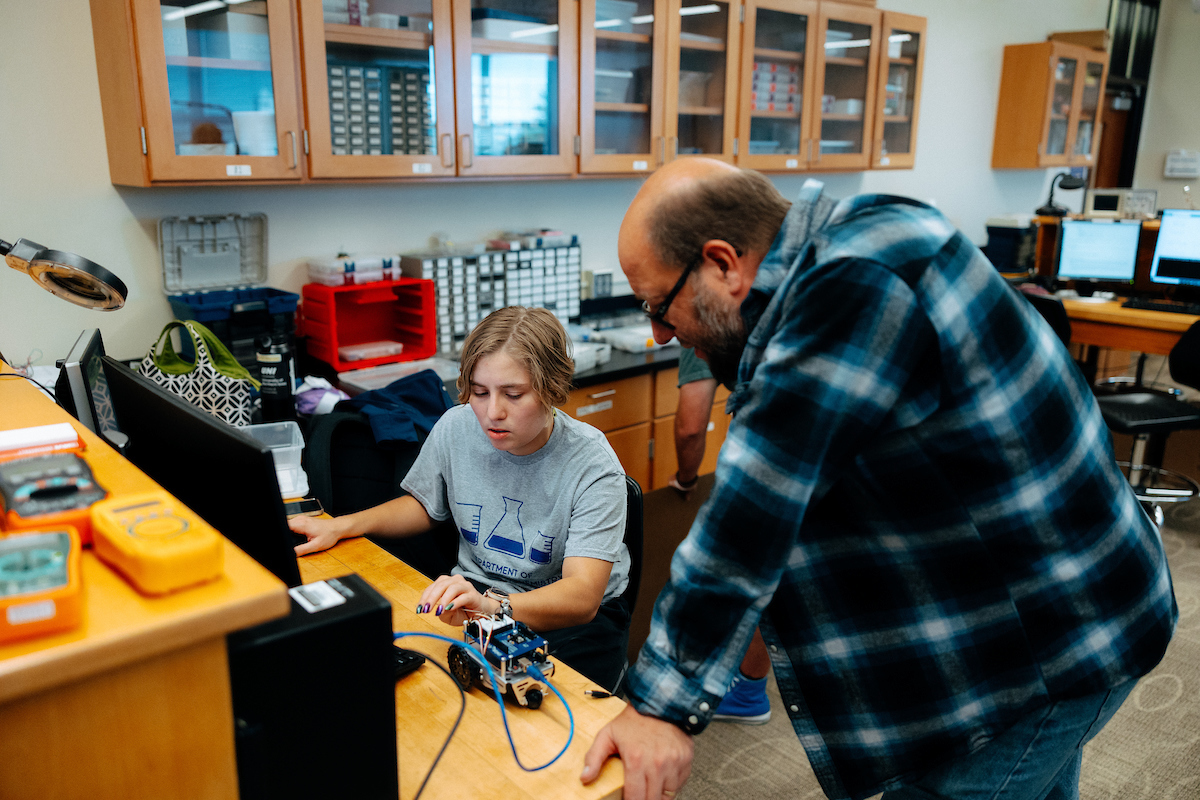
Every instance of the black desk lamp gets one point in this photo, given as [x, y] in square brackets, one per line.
[66, 275]
[1065, 180]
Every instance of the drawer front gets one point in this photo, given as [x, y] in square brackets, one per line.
[632, 446]
[612, 405]
[666, 393]
[665, 463]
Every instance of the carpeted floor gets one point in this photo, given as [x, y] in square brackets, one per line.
[1149, 751]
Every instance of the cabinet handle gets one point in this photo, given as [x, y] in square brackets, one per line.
[465, 156]
[674, 147]
[605, 393]
[662, 146]
[295, 158]
[809, 151]
[447, 150]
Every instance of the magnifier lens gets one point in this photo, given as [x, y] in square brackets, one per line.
[78, 280]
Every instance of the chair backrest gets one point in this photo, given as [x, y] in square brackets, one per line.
[348, 472]
[633, 540]
[1052, 310]
[1184, 358]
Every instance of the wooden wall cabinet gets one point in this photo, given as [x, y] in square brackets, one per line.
[898, 91]
[1048, 111]
[269, 90]
[458, 90]
[379, 103]
[828, 86]
[622, 85]
[213, 99]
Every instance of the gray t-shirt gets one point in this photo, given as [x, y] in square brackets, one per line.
[519, 516]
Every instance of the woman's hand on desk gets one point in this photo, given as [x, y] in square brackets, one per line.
[322, 533]
[454, 599]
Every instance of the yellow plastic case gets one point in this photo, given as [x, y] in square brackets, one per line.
[156, 542]
[41, 584]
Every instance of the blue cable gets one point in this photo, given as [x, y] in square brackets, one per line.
[532, 670]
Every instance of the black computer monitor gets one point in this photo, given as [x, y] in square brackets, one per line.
[224, 475]
[1098, 251]
[1177, 252]
[81, 389]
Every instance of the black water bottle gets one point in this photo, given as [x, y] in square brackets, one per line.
[278, 376]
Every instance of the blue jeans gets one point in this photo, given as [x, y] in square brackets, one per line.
[1038, 758]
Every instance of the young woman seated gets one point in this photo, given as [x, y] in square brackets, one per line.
[538, 499]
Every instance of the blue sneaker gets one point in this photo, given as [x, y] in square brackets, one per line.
[746, 702]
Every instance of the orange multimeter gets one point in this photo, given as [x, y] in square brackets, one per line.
[41, 585]
[156, 542]
[49, 491]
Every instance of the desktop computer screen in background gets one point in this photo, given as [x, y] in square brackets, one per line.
[1098, 250]
[1177, 253]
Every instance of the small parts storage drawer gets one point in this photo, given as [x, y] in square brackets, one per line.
[613, 405]
[400, 311]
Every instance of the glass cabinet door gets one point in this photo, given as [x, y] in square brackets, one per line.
[515, 79]
[777, 80]
[902, 53]
[1091, 95]
[621, 58]
[379, 89]
[1062, 95]
[702, 62]
[220, 90]
[846, 81]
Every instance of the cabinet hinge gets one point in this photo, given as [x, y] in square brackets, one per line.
[735, 146]
[304, 133]
[578, 144]
[652, 449]
[143, 130]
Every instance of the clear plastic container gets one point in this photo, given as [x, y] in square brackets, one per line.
[287, 444]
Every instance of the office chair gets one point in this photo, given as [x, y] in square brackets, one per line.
[1150, 417]
[349, 472]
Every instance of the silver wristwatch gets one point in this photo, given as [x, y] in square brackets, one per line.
[500, 597]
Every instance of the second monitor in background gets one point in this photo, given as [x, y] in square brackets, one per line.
[1098, 251]
[1177, 252]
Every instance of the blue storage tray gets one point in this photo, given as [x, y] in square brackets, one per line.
[220, 304]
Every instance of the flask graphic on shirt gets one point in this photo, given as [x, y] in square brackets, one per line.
[540, 552]
[471, 534]
[508, 536]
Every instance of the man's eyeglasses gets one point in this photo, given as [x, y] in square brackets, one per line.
[657, 314]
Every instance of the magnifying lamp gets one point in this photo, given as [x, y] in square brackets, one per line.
[66, 275]
[1065, 180]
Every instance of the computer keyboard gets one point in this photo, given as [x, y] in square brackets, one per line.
[1162, 305]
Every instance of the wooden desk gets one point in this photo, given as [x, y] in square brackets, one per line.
[1109, 325]
[478, 762]
[136, 701]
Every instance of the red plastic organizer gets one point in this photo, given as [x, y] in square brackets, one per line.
[400, 310]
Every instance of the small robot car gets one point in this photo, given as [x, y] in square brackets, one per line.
[511, 649]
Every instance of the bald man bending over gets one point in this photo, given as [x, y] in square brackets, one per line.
[917, 502]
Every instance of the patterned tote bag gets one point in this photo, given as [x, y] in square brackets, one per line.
[215, 382]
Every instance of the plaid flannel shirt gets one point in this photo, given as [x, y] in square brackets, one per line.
[918, 500]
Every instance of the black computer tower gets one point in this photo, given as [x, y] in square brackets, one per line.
[314, 698]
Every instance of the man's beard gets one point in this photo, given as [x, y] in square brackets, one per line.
[722, 337]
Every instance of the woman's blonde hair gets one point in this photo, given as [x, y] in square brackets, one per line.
[535, 339]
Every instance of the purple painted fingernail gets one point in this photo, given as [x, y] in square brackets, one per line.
[439, 611]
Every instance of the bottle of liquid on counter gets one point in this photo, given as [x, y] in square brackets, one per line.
[278, 376]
